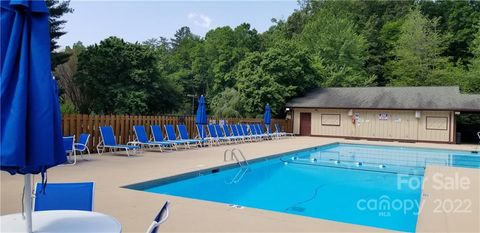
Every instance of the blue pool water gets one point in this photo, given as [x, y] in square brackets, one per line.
[359, 184]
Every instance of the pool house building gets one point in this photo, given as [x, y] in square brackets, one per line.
[416, 114]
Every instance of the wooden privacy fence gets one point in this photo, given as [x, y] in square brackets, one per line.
[123, 125]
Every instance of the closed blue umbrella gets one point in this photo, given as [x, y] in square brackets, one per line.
[201, 117]
[267, 116]
[30, 136]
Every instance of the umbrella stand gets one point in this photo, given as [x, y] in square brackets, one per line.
[28, 202]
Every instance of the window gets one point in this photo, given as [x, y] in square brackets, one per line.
[436, 123]
[330, 119]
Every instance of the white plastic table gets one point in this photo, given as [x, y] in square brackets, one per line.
[61, 221]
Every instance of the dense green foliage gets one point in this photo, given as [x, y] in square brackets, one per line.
[118, 77]
[322, 44]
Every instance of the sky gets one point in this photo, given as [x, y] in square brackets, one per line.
[93, 21]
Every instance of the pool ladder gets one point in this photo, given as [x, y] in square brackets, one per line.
[233, 156]
[243, 163]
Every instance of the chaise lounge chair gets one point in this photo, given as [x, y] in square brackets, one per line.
[246, 129]
[273, 135]
[235, 138]
[142, 139]
[237, 131]
[254, 133]
[261, 132]
[172, 137]
[279, 132]
[182, 130]
[222, 136]
[108, 142]
[202, 134]
[158, 136]
[241, 133]
[212, 130]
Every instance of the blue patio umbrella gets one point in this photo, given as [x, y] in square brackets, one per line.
[201, 117]
[30, 135]
[267, 116]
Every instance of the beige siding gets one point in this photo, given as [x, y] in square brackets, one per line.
[399, 125]
[437, 128]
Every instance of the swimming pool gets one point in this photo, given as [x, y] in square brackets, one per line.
[361, 184]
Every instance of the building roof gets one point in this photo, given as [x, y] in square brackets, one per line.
[417, 98]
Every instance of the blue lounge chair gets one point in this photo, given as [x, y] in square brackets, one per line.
[161, 217]
[221, 134]
[182, 130]
[69, 147]
[226, 130]
[108, 142]
[242, 133]
[202, 134]
[236, 133]
[271, 133]
[245, 130]
[253, 132]
[279, 132]
[64, 196]
[214, 134]
[261, 132]
[158, 136]
[82, 144]
[172, 136]
[142, 138]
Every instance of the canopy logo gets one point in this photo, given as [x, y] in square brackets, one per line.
[384, 205]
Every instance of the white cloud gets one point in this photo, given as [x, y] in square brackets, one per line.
[200, 20]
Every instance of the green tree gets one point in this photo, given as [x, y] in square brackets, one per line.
[457, 20]
[65, 73]
[177, 65]
[227, 104]
[273, 77]
[57, 9]
[335, 46]
[418, 54]
[372, 17]
[224, 48]
[471, 82]
[118, 77]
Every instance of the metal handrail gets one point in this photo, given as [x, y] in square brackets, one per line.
[241, 154]
[233, 155]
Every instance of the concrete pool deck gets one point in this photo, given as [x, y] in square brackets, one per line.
[136, 209]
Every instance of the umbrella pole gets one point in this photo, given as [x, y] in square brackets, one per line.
[28, 202]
